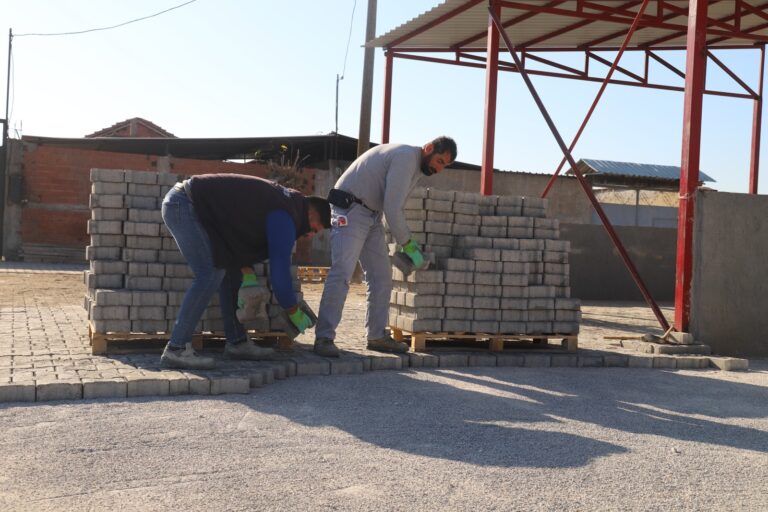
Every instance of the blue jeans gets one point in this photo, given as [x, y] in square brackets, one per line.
[194, 243]
[360, 238]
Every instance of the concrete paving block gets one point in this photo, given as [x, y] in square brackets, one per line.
[144, 283]
[458, 301]
[457, 264]
[422, 313]
[102, 253]
[423, 301]
[458, 277]
[423, 360]
[108, 312]
[223, 385]
[178, 383]
[691, 362]
[682, 338]
[59, 390]
[106, 187]
[198, 384]
[508, 244]
[531, 256]
[699, 349]
[513, 315]
[564, 360]
[542, 292]
[147, 386]
[107, 201]
[452, 360]
[538, 360]
[105, 227]
[493, 267]
[142, 202]
[637, 346]
[380, 361]
[17, 392]
[486, 315]
[538, 327]
[514, 292]
[664, 362]
[729, 364]
[414, 203]
[154, 216]
[482, 359]
[110, 175]
[465, 230]
[148, 298]
[436, 216]
[485, 326]
[459, 314]
[141, 189]
[512, 255]
[104, 326]
[483, 290]
[170, 256]
[567, 315]
[614, 360]
[346, 365]
[151, 326]
[541, 315]
[510, 359]
[144, 177]
[445, 228]
[100, 388]
[467, 197]
[558, 245]
[507, 211]
[493, 231]
[117, 241]
[144, 255]
[313, 366]
[143, 242]
[438, 205]
[441, 195]
[466, 209]
[426, 276]
[590, 360]
[515, 267]
[467, 220]
[434, 238]
[484, 254]
[147, 313]
[113, 297]
[415, 214]
[485, 303]
[555, 257]
[508, 279]
[457, 289]
[150, 229]
[507, 327]
[453, 325]
[118, 214]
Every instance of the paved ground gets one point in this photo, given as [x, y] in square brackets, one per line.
[448, 438]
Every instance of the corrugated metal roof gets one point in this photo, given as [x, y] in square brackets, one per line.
[666, 172]
[441, 30]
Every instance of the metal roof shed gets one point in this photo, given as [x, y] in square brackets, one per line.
[473, 32]
[630, 174]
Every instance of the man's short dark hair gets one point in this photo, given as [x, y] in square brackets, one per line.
[323, 209]
[443, 144]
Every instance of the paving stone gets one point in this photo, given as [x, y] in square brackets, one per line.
[319, 366]
[346, 365]
[564, 360]
[178, 383]
[423, 360]
[691, 362]
[110, 388]
[639, 361]
[615, 360]
[198, 384]
[17, 392]
[144, 386]
[591, 361]
[482, 359]
[698, 349]
[509, 359]
[637, 346]
[380, 361]
[729, 364]
[537, 360]
[223, 385]
[449, 360]
[59, 390]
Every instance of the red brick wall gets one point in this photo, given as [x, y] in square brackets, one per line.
[55, 178]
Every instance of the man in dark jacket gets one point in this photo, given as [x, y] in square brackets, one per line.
[223, 224]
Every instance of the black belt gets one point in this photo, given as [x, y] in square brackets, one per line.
[344, 199]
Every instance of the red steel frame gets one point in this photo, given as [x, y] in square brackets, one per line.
[701, 32]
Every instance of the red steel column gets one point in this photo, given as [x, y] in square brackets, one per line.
[491, 80]
[388, 58]
[757, 121]
[695, 74]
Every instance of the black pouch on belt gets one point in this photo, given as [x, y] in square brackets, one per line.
[342, 198]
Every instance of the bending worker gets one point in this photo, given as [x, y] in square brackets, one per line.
[223, 224]
[376, 184]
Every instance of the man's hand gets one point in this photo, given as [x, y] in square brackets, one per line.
[299, 318]
[412, 250]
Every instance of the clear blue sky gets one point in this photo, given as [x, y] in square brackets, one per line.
[237, 68]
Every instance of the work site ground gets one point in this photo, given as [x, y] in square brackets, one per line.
[446, 438]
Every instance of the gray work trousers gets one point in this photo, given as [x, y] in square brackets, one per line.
[357, 233]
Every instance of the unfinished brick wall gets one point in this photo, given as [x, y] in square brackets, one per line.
[57, 184]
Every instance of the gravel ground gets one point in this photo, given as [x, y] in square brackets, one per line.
[466, 439]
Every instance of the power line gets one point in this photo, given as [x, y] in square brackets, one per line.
[349, 38]
[106, 28]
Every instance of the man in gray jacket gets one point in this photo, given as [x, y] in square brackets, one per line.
[376, 184]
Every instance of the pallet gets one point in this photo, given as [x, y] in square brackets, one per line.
[313, 274]
[133, 342]
[568, 342]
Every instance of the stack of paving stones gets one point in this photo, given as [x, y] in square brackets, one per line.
[137, 276]
[498, 267]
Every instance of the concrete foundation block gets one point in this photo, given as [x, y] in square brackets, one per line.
[564, 360]
[729, 364]
[538, 360]
[144, 386]
[638, 361]
[59, 390]
[509, 359]
[452, 360]
[482, 359]
[346, 366]
[664, 362]
[110, 175]
[222, 385]
[112, 388]
[17, 392]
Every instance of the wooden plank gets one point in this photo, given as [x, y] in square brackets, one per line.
[419, 340]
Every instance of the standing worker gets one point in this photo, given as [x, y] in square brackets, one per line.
[377, 183]
[223, 224]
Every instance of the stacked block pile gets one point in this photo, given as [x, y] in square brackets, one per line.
[137, 276]
[498, 267]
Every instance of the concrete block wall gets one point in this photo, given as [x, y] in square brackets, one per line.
[137, 276]
[498, 267]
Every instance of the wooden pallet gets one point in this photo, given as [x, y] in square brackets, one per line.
[419, 340]
[313, 274]
[132, 342]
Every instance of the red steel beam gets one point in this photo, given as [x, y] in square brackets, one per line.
[584, 184]
[385, 122]
[599, 95]
[757, 121]
[695, 75]
[491, 85]
[731, 74]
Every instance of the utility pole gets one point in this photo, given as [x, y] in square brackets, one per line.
[364, 136]
[4, 154]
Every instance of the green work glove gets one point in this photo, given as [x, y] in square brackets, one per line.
[300, 319]
[411, 249]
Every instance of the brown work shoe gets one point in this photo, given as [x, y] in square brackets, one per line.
[387, 344]
[325, 347]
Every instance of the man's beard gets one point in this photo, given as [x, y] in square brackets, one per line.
[425, 168]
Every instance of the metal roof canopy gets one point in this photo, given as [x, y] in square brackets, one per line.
[466, 28]
[661, 172]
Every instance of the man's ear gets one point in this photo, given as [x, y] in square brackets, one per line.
[428, 149]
